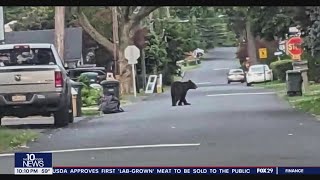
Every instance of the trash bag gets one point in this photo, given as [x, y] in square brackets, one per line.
[110, 104]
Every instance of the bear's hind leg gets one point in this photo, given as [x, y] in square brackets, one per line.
[182, 99]
[174, 101]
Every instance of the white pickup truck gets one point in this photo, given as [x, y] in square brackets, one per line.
[34, 82]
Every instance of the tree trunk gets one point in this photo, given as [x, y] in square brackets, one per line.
[125, 68]
[252, 51]
[242, 36]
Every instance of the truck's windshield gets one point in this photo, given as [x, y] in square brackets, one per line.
[36, 56]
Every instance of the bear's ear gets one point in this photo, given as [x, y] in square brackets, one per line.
[190, 80]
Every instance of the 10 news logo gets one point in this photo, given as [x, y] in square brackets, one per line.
[33, 163]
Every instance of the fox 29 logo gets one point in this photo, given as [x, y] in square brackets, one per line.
[33, 163]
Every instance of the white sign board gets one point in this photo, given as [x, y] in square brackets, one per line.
[278, 53]
[293, 30]
[151, 84]
[132, 53]
[1, 24]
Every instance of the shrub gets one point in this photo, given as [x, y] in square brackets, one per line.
[280, 67]
[314, 67]
[167, 74]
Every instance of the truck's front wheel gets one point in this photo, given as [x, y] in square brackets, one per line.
[61, 117]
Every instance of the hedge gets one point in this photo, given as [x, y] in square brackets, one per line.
[280, 67]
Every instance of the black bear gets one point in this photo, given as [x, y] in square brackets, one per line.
[179, 91]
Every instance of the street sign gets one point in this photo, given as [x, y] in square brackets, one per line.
[294, 47]
[282, 46]
[132, 53]
[263, 53]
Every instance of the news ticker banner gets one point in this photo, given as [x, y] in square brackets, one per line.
[41, 163]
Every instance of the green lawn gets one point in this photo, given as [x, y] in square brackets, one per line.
[308, 102]
[13, 138]
[90, 112]
[276, 85]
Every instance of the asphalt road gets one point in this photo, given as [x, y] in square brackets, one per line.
[226, 125]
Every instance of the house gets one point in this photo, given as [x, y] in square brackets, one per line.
[73, 40]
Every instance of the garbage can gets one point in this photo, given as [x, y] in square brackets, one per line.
[92, 76]
[78, 87]
[111, 87]
[294, 83]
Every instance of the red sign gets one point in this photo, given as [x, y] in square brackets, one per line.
[294, 46]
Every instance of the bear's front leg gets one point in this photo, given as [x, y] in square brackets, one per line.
[183, 99]
[185, 102]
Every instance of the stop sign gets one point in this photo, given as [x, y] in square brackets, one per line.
[294, 46]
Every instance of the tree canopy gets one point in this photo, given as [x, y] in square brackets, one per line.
[186, 27]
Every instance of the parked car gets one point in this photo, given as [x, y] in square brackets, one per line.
[258, 74]
[236, 75]
[34, 82]
[75, 73]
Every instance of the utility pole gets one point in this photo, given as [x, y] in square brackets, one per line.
[251, 45]
[1, 26]
[59, 27]
[143, 68]
[115, 32]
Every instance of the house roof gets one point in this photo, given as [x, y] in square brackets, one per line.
[73, 40]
